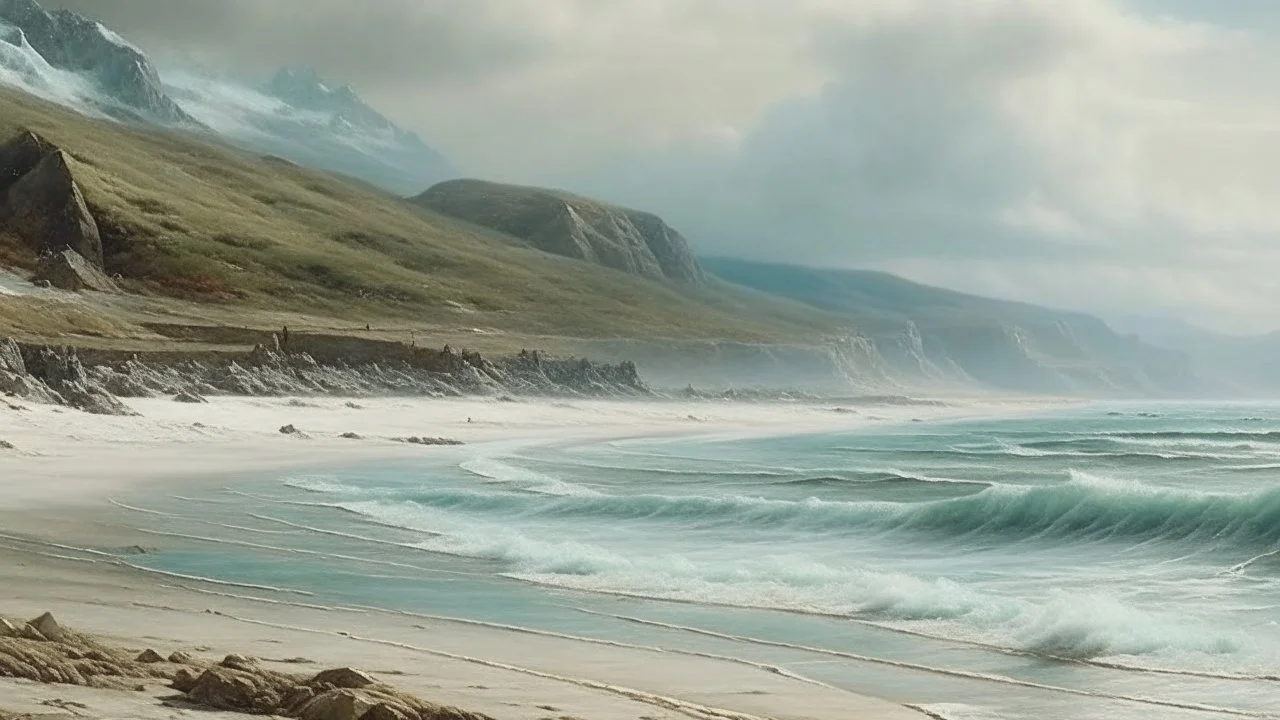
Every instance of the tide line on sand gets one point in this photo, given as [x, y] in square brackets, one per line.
[969, 675]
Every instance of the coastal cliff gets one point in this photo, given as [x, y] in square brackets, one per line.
[581, 228]
[299, 365]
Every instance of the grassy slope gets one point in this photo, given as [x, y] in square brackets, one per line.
[236, 236]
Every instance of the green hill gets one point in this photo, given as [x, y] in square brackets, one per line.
[204, 232]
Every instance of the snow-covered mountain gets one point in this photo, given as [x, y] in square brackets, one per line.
[75, 61]
[68, 58]
[300, 117]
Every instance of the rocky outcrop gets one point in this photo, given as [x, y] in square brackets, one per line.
[44, 652]
[72, 42]
[69, 270]
[577, 227]
[57, 377]
[49, 375]
[421, 372]
[42, 203]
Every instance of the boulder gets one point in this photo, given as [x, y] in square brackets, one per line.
[45, 208]
[185, 680]
[242, 663]
[8, 629]
[348, 678]
[190, 397]
[224, 690]
[387, 711]
[295, 699]
[336, 705]
[180, 658]
[149, 657]
[48, 627]
[69, 270]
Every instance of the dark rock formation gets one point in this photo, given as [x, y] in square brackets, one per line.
[15, 380]
[42, 204]
[69, 41]
[19, 156]
[577, 227]
[69, 270]
[46, 375]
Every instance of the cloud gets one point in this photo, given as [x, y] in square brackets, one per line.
[1075, 153]
[509, 87]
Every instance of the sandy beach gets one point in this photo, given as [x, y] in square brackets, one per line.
[65, 466]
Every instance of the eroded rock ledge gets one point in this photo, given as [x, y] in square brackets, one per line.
[43, 651]
[95, 381]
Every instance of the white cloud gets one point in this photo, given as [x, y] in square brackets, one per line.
[999, 145]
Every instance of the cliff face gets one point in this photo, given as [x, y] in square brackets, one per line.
[576, 227]
[923, 336]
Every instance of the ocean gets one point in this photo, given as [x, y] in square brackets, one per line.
[1105, 561]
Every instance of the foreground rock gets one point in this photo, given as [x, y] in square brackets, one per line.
[45, 652]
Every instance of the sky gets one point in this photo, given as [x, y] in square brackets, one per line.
[1113, 156]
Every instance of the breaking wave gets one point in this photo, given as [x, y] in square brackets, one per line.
[1086, 508]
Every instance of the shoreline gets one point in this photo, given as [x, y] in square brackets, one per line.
[68, 464]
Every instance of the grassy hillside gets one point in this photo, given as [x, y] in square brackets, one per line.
[232, 234]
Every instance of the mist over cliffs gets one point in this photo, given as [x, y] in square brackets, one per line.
[915, 335]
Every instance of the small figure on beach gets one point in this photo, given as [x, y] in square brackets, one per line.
[284, 337]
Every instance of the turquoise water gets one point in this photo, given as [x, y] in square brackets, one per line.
[1103, 562]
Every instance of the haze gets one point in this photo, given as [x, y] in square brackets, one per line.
[1115, 157]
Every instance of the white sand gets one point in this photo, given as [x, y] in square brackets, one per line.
[65, 460]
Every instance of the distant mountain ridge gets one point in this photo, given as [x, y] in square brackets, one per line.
[561, 223]
[299, 116]
[923, 334]
[78, 62]
[1232, 365]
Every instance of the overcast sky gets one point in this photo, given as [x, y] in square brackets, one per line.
[1117, 156]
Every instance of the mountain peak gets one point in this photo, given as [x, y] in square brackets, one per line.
[305, 88]
[69, 41]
